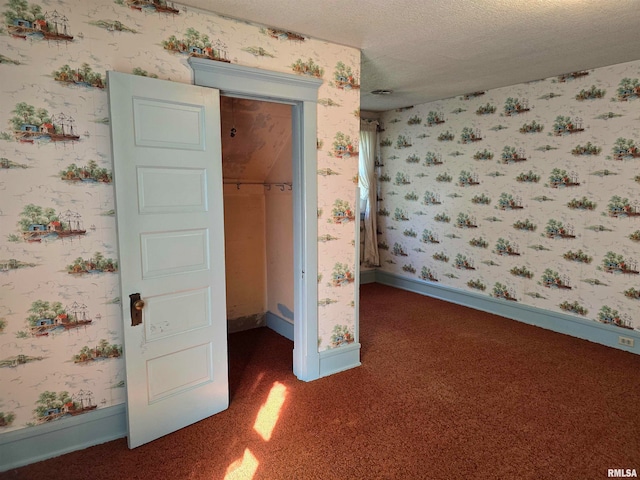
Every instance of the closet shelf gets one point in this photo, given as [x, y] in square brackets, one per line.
[281, 185]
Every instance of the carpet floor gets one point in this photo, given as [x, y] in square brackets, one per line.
[444, 392]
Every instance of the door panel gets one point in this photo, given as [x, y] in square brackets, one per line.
[168, 124]
[174, 252]
[192, 306]
[169, 213]
[178, 372]
[176, 190]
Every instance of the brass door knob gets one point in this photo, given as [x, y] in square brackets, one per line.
[136, 304]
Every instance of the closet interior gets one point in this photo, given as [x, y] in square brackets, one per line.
[258, 213]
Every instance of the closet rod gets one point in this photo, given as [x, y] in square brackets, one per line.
[268, 185]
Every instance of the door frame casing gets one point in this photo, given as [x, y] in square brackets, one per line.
[302, 94]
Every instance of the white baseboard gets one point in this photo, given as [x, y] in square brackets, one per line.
[555, 321]
[34, 444]
[280, 325]
[367, 276]
[339, 359]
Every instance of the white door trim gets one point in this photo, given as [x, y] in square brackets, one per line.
[302, 93]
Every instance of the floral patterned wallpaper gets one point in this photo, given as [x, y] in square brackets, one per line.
[528, 193]
[60, 322]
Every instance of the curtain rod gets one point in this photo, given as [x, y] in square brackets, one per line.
[267, 185]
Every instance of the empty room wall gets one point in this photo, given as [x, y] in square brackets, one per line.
[529, 194]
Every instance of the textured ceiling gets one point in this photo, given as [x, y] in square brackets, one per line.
[427, 50]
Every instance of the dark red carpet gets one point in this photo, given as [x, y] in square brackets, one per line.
[444, 392]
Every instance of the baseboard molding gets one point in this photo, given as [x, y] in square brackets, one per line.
[247, 322]
[339, 359]
[367, 276]
[280, 325]
[34, 444]
[555, 321]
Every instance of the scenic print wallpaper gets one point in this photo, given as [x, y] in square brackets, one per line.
[60, 321]
[528, 193]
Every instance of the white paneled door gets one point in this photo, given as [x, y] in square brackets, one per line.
[168, 181]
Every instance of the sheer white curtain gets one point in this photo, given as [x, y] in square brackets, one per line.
[368, 190]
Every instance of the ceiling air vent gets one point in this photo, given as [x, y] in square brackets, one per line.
[382, 92]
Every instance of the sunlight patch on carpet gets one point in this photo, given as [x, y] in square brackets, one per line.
[244, 468]
[270, 411]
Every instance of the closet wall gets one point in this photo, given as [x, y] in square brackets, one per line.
[279, 246]
[245, 256]
[257, 171]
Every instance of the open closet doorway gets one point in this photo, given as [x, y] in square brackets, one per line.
[257, 170]
[302, 94]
